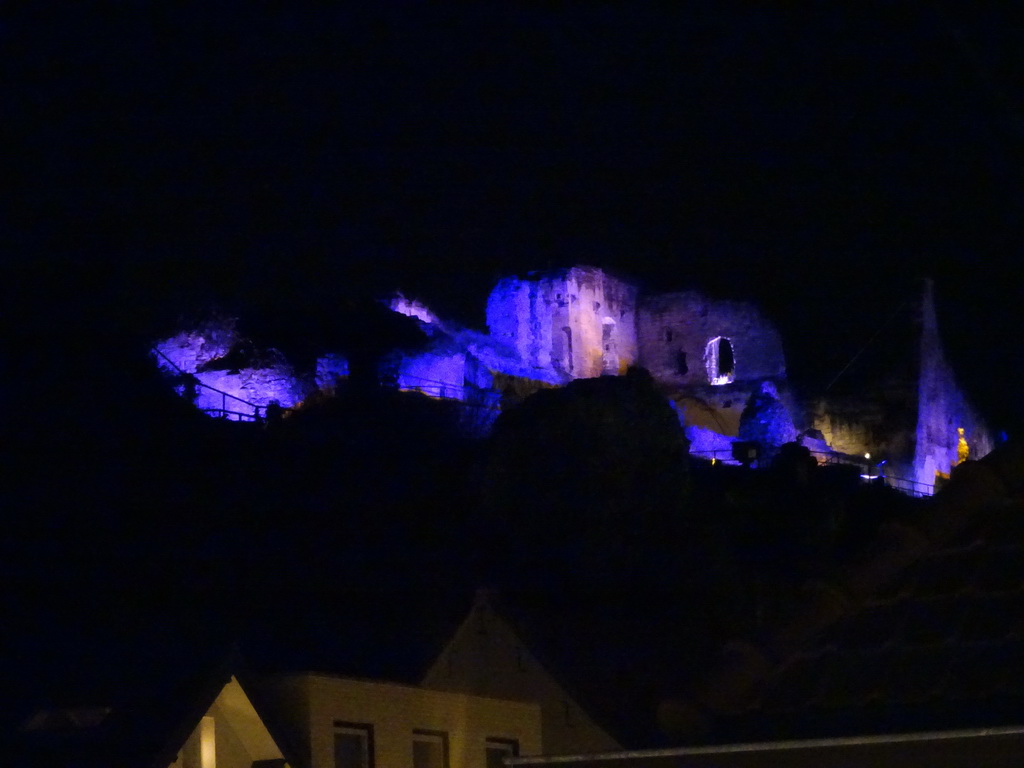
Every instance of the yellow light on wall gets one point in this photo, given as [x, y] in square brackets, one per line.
[963, 450]
[207, 743]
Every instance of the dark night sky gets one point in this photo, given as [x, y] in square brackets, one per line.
[814, 160]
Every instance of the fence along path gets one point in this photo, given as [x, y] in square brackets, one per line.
[251, 412]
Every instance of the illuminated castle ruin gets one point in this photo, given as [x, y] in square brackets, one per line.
[905, 408]
[579, 322]
[549, 328]
[710, 356]
[720, 363]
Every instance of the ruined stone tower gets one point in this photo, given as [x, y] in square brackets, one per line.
[580, 321]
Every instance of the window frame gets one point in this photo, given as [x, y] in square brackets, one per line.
[507, 745]
[432, 736]
[363, 729]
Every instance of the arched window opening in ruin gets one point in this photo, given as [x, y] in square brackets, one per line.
[681, 367]
[609, 352]
[668, 335]
[720, 361]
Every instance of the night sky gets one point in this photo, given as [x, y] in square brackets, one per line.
[817, 160]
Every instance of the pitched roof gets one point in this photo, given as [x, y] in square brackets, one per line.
[613, 657]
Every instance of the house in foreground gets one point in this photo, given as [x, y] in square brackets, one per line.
[340, 722]
[203, 722]
[486, 656]
[302, 720]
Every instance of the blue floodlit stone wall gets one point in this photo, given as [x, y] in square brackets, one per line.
[942, 407]
[237, 393]
[676, 328]
[578, 322]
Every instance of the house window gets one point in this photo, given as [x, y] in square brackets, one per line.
[353, 745]
[499, 749]
[720, 361]
[429, 749]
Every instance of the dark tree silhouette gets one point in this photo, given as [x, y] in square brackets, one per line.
[585, 481]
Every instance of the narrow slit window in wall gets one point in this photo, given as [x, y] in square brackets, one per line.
[609, 351]
[567, 349]
[681, 367]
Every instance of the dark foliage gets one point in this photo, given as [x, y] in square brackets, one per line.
[581, 481]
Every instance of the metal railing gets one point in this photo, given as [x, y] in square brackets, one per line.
[902, 484]
[430, 387]
[721, 455]
[226, 413]
[909, 487]
[444, 391]
[252, 411]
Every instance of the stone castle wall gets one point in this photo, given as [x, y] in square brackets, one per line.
[675, 330]
[579, 322]
[711, 356]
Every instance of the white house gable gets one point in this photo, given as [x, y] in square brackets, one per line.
[486, 657]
